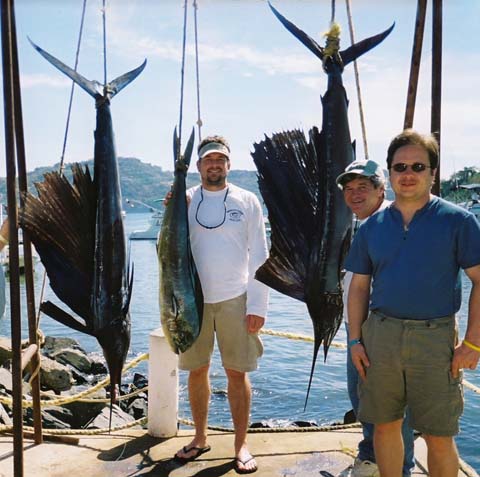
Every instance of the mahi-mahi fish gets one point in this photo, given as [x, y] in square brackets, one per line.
[78, 232]
[180, 294]
[310, 223]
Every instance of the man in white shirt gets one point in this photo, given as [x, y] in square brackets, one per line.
[363, 186]
[228, 241]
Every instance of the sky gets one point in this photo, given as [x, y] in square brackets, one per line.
[255, 77]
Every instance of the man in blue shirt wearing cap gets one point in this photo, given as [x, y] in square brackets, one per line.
[407, 352]
[363, 186]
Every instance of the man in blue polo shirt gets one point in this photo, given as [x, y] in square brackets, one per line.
[363, 187]
[406, 352]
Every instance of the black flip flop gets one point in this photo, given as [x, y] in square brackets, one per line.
[198, 452]
[243, 462]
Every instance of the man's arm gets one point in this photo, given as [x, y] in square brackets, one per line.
[465, 355]
[358, 300]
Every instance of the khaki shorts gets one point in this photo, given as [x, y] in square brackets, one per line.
[227, 320]
[410, 366]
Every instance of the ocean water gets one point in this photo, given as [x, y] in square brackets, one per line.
[280, 383]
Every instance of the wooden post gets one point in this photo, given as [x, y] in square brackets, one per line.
[415, 63]
[436, 118]
[15, 317]
[27, 246]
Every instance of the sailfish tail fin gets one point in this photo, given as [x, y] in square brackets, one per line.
[93, 88]
[361, 47]
[347, 55]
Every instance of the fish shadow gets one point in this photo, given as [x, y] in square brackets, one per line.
[164, 468]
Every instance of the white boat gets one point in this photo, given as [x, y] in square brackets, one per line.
[472, 205]
[151, 233]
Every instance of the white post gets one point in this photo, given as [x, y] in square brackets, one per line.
[162, 387]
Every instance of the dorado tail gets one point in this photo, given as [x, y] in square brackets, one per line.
[93, 88]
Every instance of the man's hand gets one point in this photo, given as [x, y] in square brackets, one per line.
[360, 359]
[464, 358]
[169, 196]
[254, 323]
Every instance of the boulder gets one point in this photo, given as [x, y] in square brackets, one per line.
[5, 380]
[4, 417]
[54, 375]
[5, 350]
[119, 418]
[84, 412]
[74, 357]
[138, 408]
[49, 421]
[98, 367]
[53, 345]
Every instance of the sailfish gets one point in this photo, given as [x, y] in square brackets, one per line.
[77, 229]
[310, 223]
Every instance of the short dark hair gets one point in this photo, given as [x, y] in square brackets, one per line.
[209, 139]
[409, 137]
[376, 181]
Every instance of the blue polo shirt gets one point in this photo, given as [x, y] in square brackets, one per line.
[415, 272]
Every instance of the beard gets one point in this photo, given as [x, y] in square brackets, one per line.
[215, 179]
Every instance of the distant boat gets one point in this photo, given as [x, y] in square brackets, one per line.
[473, 204]
[151, 233]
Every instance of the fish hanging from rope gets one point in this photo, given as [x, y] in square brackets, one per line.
[181, 298]
[310, 223]
[77, 230]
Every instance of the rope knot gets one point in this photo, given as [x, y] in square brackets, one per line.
[332, 45]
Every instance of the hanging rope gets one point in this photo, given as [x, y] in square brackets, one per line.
[182, 76]
[332, 20]
[104, 8]
[357, 82]
[65, 137]
[62, 157]
[199, 118]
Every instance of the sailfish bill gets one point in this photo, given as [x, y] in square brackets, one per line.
[78, 232]
[310, 222]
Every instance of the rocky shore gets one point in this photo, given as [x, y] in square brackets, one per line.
[66, 370]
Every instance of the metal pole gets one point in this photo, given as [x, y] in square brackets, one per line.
[27, 247]
[13, 239]
[436, 118]
[415, 63]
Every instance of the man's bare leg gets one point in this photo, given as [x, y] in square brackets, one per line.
[199, 397]
[442, 456]
[388, 444]
[239, 397]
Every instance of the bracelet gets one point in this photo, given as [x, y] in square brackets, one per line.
[355, 341]
[3, 240]
[471, 346]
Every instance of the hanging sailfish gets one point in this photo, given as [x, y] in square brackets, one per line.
[181, 298]
[310, 223]
[78, 232]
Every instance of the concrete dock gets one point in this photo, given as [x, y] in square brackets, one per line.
[134, 453]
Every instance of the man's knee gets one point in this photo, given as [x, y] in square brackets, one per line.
[440, 444]
[199, 372]
[235, 375]
[385, 428]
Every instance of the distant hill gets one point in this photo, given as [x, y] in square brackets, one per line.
[144, 182]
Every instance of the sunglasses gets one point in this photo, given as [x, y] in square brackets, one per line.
[416, 167]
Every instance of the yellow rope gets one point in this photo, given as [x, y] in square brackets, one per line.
[293, 336]
[83, 432]
[75, 397]
[333, 427]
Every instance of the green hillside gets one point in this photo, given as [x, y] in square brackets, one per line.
[144, 182]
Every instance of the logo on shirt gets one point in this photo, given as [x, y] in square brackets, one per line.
[235, 215]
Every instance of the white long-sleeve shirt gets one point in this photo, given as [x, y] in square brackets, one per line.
[228, 256]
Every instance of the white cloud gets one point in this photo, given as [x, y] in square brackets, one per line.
[34, 80]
